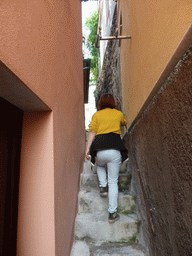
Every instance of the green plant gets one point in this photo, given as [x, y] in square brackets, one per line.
[91, 24]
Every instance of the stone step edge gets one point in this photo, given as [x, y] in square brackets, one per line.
[133, 217]
[95, 174]
[96, 191]
[85, 248]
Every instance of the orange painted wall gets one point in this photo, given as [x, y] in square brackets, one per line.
[156, 28]
[41, 43]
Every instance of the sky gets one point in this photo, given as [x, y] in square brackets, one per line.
[87, 10]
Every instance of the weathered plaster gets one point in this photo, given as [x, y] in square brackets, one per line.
[160, 148]
[110, 78]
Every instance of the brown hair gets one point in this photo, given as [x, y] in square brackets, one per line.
[106, 101]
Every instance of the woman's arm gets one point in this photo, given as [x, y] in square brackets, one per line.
[90, 139]
[123, 123]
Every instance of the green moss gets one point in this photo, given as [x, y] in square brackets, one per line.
[127, 212]
[132, 239]
[120, 209]
[124, 185]
[123, 188]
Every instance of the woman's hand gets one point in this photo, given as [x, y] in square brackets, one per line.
[87, 154]
[90, 139]
[123, 123]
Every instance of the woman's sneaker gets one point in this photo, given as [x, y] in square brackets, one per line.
[103, 191]
[113, 217]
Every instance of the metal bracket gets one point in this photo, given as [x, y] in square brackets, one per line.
[114, 37]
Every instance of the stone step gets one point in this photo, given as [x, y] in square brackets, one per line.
[91, 202]
[116, 249]
[81, 248]
[119, 252]
[96, 228]
[90, 181]
[88, 168]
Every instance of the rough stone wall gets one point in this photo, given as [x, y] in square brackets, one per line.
[160, 151]
[109, 78]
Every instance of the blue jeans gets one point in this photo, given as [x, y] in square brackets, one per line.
[111, 158]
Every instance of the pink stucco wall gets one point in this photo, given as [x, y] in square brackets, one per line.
[36, 229]
[41, 43]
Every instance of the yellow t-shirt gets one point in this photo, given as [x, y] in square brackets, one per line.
[107, 120]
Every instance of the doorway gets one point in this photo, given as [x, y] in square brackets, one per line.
[10, 145]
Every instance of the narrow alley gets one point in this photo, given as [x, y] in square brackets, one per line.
[143, 57]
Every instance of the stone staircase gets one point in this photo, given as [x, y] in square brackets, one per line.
[94, 236]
